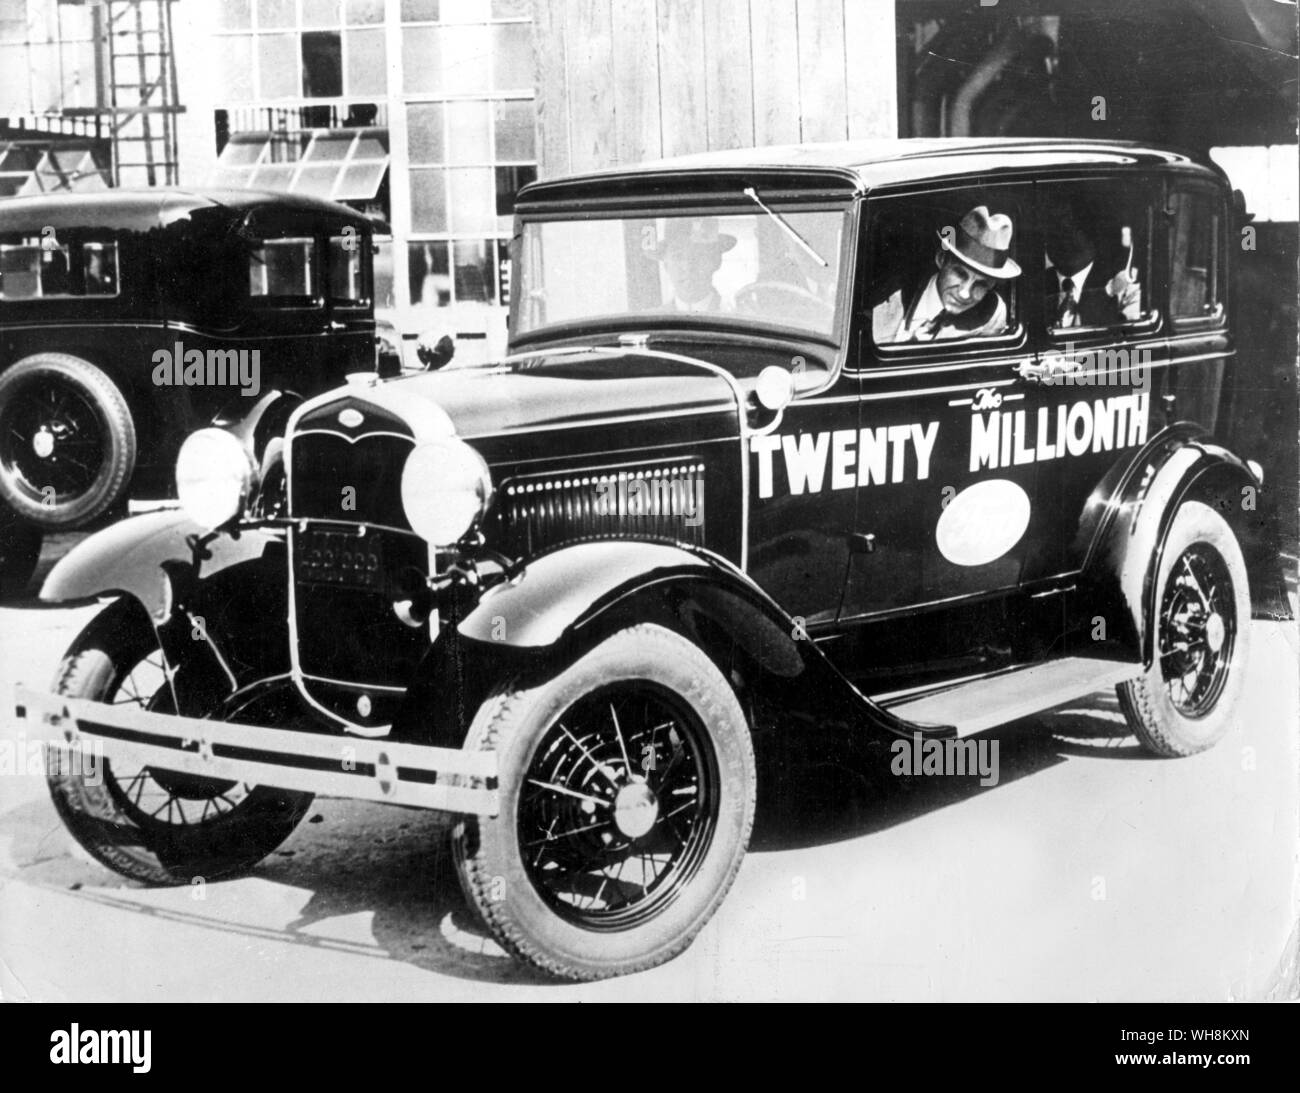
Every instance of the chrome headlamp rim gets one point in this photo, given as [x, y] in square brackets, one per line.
[236, 468]
[443, 517]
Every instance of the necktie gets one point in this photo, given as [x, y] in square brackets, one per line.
[929, 330]
[1068, 314]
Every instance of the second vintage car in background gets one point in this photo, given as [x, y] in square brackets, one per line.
[129, 319]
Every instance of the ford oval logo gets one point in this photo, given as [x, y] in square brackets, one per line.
[982, 522]
[351, 418]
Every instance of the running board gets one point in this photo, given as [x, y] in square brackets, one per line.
[998, 699]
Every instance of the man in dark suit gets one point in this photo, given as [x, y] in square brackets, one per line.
[1076, 293]
[959, 300]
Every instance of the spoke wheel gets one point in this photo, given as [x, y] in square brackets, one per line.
[67, 440]
[1187, 698]
[150, 824]
[626, 781]
[618, 806]
[1197, 631]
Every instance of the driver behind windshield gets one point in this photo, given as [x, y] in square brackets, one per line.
[691, 251]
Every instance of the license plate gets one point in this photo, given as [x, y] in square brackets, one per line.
[341, 558]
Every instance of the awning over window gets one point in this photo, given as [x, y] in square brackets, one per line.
[32, 168]
[338, 164]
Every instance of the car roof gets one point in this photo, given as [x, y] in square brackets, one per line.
[872, 164]
[141, 210]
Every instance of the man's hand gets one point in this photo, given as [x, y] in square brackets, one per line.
[1127, 294]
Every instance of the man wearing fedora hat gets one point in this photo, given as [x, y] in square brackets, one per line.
[691, 251]
[958, 300]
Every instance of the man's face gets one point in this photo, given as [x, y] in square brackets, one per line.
[690, 269]
[960, 287]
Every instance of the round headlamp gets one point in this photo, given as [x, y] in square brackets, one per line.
[446, 488]
[214, 477]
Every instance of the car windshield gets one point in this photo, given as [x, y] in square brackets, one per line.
[761, 267]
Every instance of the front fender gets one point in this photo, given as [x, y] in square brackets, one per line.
[564, 602]
[145, 556]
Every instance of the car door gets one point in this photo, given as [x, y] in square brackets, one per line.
[943, 495]
[349, 277]
[287, 320]
[1092, 397]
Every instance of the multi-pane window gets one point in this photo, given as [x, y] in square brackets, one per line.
[468, 76]
[291, 49]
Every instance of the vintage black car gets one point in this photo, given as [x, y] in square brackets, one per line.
[787, 437]
[130, 319]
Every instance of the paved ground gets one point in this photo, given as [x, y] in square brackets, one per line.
[1088, 872]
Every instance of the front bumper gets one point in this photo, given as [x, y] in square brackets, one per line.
[415, 775]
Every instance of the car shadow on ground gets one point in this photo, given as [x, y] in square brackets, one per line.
[356, 859]
[826, 789]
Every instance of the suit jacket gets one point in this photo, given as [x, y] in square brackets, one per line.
[1095, 308]
[894, 301]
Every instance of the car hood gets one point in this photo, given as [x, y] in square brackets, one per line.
[598, 389]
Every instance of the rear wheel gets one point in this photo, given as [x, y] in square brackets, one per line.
[154, 825]
[627, 789]
[67, 440]
[1186, 700]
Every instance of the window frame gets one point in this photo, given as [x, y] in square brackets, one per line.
[1217, 320]
[1148, 190]
[873, 358]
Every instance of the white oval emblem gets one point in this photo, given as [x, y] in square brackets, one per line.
[363, 705]
[351, 418]
[982, 522]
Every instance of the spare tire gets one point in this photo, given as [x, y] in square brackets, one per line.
[67, 440]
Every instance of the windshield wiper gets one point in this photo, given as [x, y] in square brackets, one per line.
[752, 194]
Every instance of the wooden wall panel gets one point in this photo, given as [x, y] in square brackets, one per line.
[774, 48]
[871, 68]
[729, 74]
[552, 66]
[684, 109]
[588, 42]
[625, 80]
[634, 79]
[822, 110]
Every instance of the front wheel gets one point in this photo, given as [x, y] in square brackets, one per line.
[153, 825]
[1185, 702]
[627, 797]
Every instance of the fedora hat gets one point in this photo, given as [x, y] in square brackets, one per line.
[983, 241]
[695, 231]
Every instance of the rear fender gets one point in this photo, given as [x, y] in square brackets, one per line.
[1127, 526]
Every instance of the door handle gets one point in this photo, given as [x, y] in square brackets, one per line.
[1050, 369]
[337, 327]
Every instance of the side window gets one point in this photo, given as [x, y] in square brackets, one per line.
[347, 269]
[1097, 255]
[36, 267]
[945, 266]
[283, 271]
[1195, 257]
